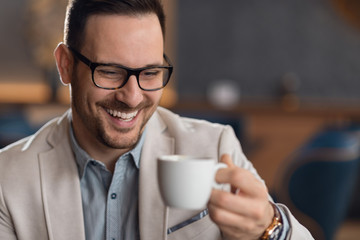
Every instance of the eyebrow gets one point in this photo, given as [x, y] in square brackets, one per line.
[121, 65]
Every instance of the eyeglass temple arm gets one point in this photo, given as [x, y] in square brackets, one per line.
[80, 56]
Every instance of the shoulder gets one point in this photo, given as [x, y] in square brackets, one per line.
[26, 150]
[201, 137]
[196, 134]
[175, 122]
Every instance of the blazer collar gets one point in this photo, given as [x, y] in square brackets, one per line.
[152, 210]
[60, 186]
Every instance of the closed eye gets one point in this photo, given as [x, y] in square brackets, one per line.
[110, 72]
[151, 73]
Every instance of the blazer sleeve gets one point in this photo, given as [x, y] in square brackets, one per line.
[229, 144]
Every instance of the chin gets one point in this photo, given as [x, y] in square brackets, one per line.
[122, 140]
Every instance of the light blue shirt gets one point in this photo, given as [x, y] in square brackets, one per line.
[110, 201]
[286, 227]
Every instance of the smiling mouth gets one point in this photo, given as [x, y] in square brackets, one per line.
[127, 117]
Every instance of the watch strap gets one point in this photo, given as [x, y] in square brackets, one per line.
[275, 227]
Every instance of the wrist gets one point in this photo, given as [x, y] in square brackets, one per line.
[272, 232]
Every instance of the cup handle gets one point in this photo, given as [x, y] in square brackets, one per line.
[217, 167]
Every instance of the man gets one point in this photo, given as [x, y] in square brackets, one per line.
[91, 174]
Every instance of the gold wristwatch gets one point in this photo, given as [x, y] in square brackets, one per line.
[273, 231]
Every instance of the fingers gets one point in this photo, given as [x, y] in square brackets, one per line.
[234, 225]
[243, 222]
[244, 206]
[245, 214]
[227, 219]
[239, 216]
[241, 179]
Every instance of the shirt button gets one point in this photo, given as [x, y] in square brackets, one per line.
[113, 195]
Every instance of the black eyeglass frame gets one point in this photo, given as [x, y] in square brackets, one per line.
[130, 71]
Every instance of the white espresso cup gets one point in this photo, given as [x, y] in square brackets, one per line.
[185, 181]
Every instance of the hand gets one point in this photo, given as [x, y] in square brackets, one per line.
[245, 212]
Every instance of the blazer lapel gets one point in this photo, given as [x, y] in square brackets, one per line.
[152, 211]
[61, 189]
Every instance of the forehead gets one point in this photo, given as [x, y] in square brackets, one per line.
[114, 36]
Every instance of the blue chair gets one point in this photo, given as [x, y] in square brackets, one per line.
[317, 182]
[353, 212]
[14, 126]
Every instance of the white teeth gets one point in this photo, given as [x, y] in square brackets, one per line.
[122, 115]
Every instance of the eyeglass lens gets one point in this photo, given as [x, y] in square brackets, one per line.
[114, 77]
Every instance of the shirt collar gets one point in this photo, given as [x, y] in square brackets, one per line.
[83, 158]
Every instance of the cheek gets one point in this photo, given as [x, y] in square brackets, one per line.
[155, 96]
[94, 94]
[88, 88]
[84, 92]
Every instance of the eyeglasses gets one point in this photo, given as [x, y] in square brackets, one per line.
[113, 76]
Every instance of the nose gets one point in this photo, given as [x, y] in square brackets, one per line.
[130, 94]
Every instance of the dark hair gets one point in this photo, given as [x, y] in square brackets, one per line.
[79, 11]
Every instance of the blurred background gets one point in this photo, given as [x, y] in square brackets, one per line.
[285, 74]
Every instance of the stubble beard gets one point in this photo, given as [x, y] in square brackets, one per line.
[97, 126]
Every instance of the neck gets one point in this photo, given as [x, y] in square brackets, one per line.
[99, 151]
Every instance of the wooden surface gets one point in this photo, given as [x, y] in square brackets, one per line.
[350, 230]
[276, 138]
[24, 92]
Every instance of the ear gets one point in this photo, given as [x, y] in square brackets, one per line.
[64, 62]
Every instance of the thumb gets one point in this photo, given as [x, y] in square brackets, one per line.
[225, 158]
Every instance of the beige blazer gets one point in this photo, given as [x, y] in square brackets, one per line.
[40, 191]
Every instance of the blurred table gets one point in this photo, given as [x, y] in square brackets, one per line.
[24, 92]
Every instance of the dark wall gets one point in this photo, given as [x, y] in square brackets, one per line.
[256, 42]
[29, 32]
[15, 58]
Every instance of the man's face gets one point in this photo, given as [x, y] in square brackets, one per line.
[115, 118]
